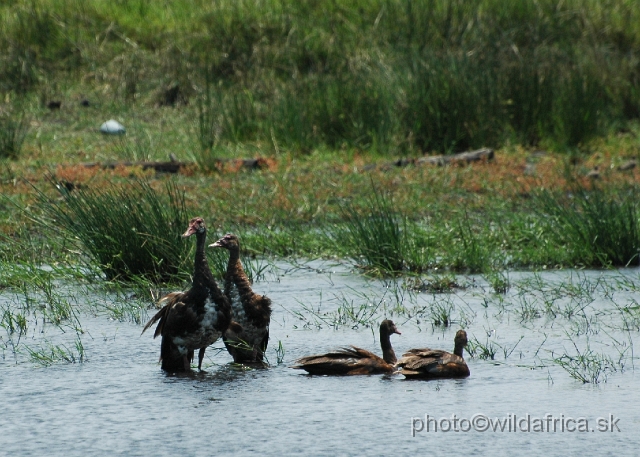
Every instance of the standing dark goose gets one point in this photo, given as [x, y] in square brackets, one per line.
[434, 363]
[354, 360]
[193, 319]
[247, 337]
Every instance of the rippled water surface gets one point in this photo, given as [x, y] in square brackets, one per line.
[119, 402]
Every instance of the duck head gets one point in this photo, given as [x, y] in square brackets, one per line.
[460, 341]
[461, 338]
[389, 326]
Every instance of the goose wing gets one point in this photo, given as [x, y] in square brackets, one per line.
[169, 312]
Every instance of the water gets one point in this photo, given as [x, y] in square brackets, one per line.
[119, 402]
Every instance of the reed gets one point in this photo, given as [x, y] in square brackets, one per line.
[280, 352]
[380, 239]
[441, 314]
[375, 237]
[48, 353]
[483, 351]
[599, 227]
[127, 311]
[630, 315]
[499, 281]
[355, 310]
[128, 231]
[471, 251]
[14, 127]
[14, 321]
[435, 284]
[385, 75]
[527, 310]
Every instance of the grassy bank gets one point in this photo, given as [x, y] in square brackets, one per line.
[480, 218]
[387, 76]
[328, 94]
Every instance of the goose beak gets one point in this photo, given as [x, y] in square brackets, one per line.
[217, 244]
[190, 231]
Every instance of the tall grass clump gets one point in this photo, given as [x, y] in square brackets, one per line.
[14, 127]
[224, 115]
[128, 230]
[379, 239]
[450, 102]
[353, 108]
[469, 249]
[600, 227]
[376, 237]
[580, 104]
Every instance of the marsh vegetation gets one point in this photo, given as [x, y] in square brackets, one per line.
[386, 75]
[326, 95]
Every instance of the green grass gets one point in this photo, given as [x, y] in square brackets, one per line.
[14, 127]
[13, 321]
[499, 281]
[472, 249]
[436, 284]
[441, 314]
[380, 239]
[600, 227]
[384, 75]
[128, 230]
[376, 236]
[483, 351]
[48, 353]
[304, 83]
[587, 366]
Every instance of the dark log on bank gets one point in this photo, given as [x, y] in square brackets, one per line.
[441, 160]
[174, 166]
[462, 158]
[163, 167]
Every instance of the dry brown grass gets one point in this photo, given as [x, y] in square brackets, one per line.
[302, 189]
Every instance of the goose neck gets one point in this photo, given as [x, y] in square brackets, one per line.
[201, 265]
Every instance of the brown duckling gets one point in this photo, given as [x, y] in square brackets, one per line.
[354, 360]
[434, 363]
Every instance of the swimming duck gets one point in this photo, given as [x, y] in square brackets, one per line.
[433, 363]
[354, 360]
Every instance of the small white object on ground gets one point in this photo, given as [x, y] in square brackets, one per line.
[112, 127]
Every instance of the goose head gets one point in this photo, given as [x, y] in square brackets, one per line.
[196, 225]
[229, 241]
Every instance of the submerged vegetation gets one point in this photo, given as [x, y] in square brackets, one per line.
[586, 307]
